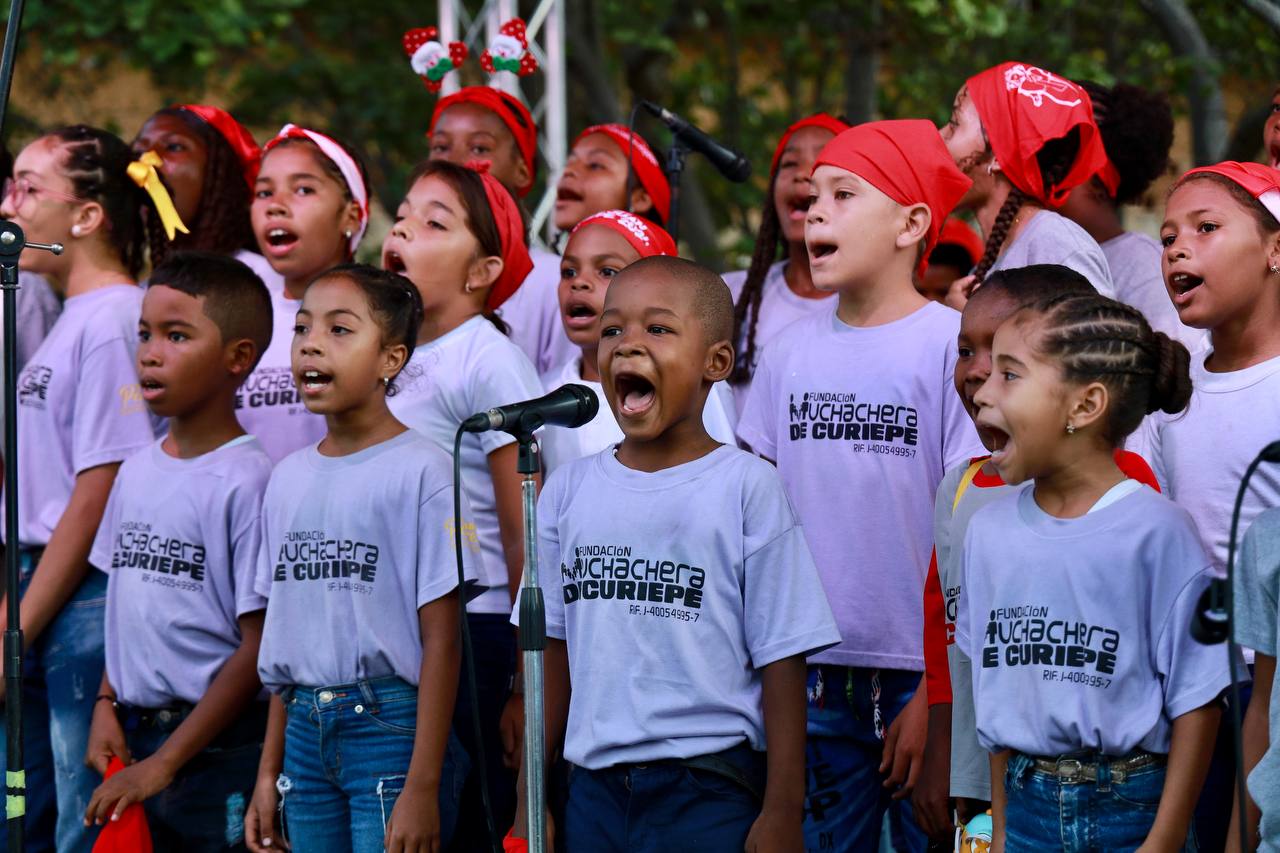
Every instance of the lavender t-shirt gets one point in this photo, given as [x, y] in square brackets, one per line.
[1079, 629]
[863, 423]
[79, 405]
[180, 541]
[1134, 261]
[1050, 238]
[352, 547]
[669, 615]
[533, 315]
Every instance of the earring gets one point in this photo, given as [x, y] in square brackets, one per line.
[1071, 429]
[347, 233]
[386, 381]
[467, 287]
[991, 167]
[1275, 269]
[76, 231]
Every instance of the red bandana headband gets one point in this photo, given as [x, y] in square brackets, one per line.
[241, 141]
[513, 114]
[906, 160]
[644, 163]
[341, 158]
[516, 263]
[1261, 182]
[647, 238]
[956, 233]
[822, 120]
[1022, 107]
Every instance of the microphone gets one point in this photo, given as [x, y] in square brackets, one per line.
[567, 406]
[729, 162]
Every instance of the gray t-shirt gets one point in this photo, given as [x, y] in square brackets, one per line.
[1257, 607]
[1134, 260]
[1053, 239]
[352, 547]
[672, 590]
[1079, 629]
[179, 541]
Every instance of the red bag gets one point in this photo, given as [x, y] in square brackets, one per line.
[129, 834]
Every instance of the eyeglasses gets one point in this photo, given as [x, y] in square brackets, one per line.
[18, 189]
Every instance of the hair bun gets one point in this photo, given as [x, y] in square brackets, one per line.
[1171, 384]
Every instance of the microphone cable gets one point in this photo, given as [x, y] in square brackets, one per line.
[631, 147]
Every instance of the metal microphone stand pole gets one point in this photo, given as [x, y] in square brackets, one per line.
[675, 167]
[533, 640]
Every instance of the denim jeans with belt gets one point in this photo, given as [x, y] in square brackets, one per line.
[61, 671]
[346, 754]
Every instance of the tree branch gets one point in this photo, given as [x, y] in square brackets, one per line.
[1266, 10]
[1204, 92]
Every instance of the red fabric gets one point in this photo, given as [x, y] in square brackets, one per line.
[827, 122]
[647, 238]
[956, 233]
[1135, 467]
[241, 140]
[1255, 178]
[129, 834]
[1022, 107]
[937, 672]
[507, 108]
[516, 263]
[1110, 177]
[907, 161]
[511, 844]
[644, 163]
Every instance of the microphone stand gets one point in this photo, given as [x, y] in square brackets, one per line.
[533, 640]
[675, 167]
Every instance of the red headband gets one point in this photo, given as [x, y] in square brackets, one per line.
[513, 114]
[647, 238]
[907, 161]
[1261, 182]
[342, 159]
[822, 120]
[241, 141]
[956, 233]
[516, 263]
[643, 162]
[1022, 107]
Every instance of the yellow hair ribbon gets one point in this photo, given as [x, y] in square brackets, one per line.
[144, 174]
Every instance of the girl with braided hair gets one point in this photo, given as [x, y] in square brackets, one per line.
[771, 293]
[1077, 590]
[1026, 137]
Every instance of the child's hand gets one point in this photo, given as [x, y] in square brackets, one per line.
[133, 784]
[930, 802]
[261, 832]
[414, 826]
[904, 747]
[959, 292]
[776, 831]
[511, 729]
[106, 739]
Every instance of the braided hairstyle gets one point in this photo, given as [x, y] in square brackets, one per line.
[222, 224]
[97, 162]
[393, 300]
[1137, 131]
[746, 311]
[1095, 339]
[1055, 159]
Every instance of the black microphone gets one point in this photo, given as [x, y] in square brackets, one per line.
[729, 162]
[567, 406]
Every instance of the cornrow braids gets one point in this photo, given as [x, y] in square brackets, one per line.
[746, 312]
[1096, 339]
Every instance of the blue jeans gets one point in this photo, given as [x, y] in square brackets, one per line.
[660, 807]
[346, 754]
[202, 810]
[61, 673]
[845, 800]
[1112, 815]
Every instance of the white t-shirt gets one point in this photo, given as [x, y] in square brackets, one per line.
[533, 315]
[272, 279]
[268, 404]
[1049, 238]
[180, 541]
[669, 615]
[471, 369]
[863, 423]
[1200, 455]
[1134, 260]
[780, 306]
[38, 310]
[79, 405]
[1079, 629]
[353, 546]
[561, 444]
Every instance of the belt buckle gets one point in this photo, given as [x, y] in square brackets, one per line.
[1069, 768]
[325, 697]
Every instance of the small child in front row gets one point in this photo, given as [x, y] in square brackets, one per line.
[1078, 591]
[682, 634]
[361, 642]
[179, 540]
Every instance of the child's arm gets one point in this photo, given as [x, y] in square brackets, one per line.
[779, 825]
[556, 691]
[231, 690]
[1190, 749]
[415, 819]
[999, 764]
[1257, 739]
[260, 829]
[106, 738]
[903, 751]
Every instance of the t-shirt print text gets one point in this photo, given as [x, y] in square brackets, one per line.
[33, 386]
[270, 386]
[891, 429]
[1068, 650]
[312, 556]
[665, 589]
[162, 560]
